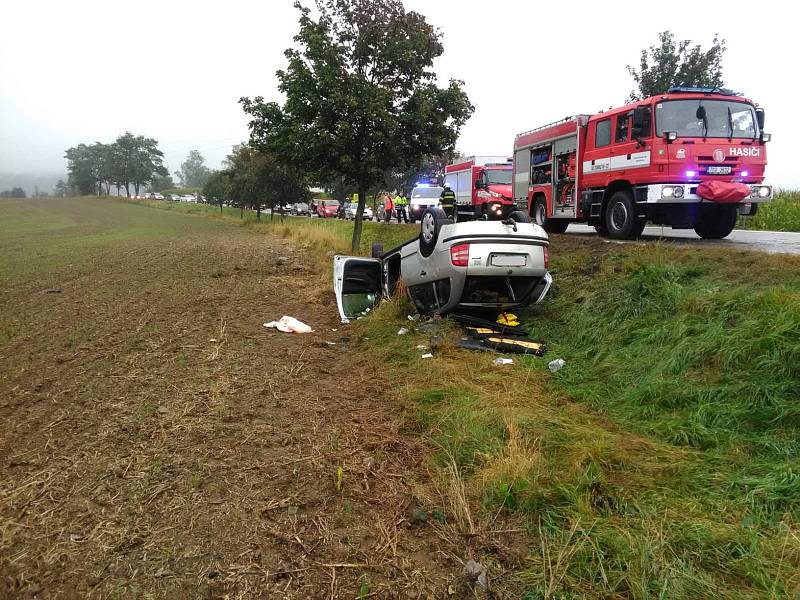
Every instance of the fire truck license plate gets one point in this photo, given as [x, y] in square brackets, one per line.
[719, 170]
[508, 260]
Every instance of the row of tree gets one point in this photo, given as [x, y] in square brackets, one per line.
[254, 179]
[131, 162]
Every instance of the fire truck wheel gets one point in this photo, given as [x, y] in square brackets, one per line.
[549, 225]
[620, 217]
[430, 224]
[715, 222]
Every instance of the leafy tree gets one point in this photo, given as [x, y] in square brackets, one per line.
[16, 192]
[135, 161]
[81, 166]
[62, 189]
[193, 172]
[361, 96]
[256, 180]
[216, 187]
[672, 63]
[159, 183]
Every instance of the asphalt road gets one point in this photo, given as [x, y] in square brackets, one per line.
[775, 242]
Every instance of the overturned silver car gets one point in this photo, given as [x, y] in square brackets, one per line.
[450, 266]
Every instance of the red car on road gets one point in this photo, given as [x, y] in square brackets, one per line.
[327, 208]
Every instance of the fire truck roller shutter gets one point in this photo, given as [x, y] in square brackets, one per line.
[522, 165]
[451, 180]
[463, 188]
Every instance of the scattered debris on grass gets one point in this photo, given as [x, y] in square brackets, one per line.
[503, 361]
[289, 324]
[555, 365]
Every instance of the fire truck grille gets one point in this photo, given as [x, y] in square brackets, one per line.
[711, 158]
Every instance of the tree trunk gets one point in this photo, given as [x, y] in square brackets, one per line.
[258, 211]
[220, 207]
[362, 200]
[136, 188]
[108, 188]
[241, 211]
[128, 189]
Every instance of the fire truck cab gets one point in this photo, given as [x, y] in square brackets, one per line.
[482, 185]
[690, 158]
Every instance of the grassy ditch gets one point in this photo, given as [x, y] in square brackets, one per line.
[781, 214]
[662, 461]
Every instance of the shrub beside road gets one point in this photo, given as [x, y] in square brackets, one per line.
[780, 214]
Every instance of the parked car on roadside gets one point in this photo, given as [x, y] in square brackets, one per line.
[300, 208]
[473, 265]
[352, 207]
[327, 208]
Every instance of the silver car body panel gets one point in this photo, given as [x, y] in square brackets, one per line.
[497, 252]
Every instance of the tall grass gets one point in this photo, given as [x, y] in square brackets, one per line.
[781, 214]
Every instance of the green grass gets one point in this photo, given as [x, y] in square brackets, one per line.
[71, 229]
[662, 461]
[781, 214]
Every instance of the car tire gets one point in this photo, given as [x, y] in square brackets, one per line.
[620, 217]
[431, 223]
[549, 225]
[520, 216]
[715, 221]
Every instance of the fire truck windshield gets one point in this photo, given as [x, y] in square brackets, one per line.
[721, 119]
[498, 177]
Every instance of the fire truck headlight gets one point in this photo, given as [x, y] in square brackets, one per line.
[671, 191]
[761, 191]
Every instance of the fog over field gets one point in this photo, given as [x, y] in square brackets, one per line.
[175, 71]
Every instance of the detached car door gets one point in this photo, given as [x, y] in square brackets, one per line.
[357, 282]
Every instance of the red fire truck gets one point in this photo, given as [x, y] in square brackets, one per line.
[690, 158]
[482, 185]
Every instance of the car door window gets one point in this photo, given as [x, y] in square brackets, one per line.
[357, 283]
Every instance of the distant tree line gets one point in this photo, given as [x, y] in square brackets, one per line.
[16, 192]
[131, 162]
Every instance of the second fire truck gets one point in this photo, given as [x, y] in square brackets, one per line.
[690, 158]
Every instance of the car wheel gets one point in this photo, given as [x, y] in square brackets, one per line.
[620, 217]
[541, 219]
[520, 216]
[714, 222]
[430, 224]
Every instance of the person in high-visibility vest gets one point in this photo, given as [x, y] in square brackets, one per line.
[388, 205]
[448, 201]
[400, 205]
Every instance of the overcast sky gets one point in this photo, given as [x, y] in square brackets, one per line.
[85, 71]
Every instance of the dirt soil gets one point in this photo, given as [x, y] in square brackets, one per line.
[157, 441]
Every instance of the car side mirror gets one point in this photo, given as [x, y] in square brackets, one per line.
[760, 118]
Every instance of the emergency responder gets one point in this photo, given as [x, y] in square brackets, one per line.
[401, 207]
[448, 202]
[388, 206]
